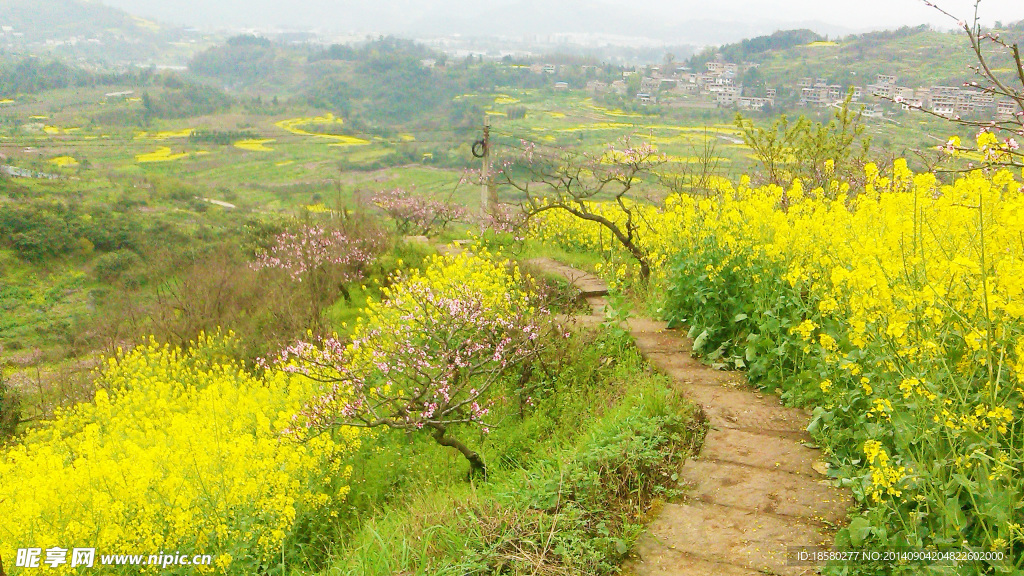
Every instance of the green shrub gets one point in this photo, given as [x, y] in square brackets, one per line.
[112, 266]
[10, 408]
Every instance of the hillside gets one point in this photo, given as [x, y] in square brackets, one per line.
[918, 56]
[92, 32]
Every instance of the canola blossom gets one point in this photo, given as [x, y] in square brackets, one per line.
[64, 162]
[165, 134]
[178, 451]
[161, 154]
[294, 126]
[255, 145]
[896, 309]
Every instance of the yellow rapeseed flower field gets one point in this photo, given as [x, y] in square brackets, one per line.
[179, 451]
[896, 308]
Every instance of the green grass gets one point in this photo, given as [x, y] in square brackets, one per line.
[571, 479]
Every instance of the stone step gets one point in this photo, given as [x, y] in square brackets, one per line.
[588, 284]
[742, 409]
[768, 491]
[760, 450]
[671, 562]
[726, 535]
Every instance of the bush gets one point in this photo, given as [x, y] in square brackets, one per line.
[112, 266]
[579, 510]
[10, 409]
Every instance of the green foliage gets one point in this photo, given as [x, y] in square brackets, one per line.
[385, 83]
[32, 75]
[740, 317]
[113, 266]
[40, 231]
[388, 81]
[242, 59]
[221, 137]
[747, 49]
[184, 100]
[820, 155]
[10, 408]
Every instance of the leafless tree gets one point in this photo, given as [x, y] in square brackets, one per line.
[600, 188]
[1002, 86]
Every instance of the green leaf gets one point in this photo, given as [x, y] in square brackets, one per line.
[739, 317]
[859, 529]
[698, 343]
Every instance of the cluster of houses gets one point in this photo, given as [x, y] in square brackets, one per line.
[719, 84]
[946, 101]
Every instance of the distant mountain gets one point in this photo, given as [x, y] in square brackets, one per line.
[686, 23]
[41, 20]
[90, 31]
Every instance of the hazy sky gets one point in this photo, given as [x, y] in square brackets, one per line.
[403, 16]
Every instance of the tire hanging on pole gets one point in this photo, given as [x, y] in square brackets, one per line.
[479, 148]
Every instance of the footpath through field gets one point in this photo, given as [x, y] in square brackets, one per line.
[754, 491]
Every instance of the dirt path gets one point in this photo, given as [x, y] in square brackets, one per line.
[753, 490]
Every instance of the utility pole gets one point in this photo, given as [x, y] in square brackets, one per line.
[485, 172]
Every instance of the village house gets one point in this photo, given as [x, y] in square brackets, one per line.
[728, 95]
[873, 111]
[753, 103]
[686, 88]
[649, 85]
[821, 94]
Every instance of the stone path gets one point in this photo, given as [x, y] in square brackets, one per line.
[752, 492]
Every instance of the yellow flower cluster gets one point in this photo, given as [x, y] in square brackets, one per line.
[178, 451]
[885, 478]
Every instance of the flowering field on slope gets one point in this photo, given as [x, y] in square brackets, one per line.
[898, 312]
[179, 451]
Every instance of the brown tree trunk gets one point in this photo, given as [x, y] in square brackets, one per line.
[476, 463]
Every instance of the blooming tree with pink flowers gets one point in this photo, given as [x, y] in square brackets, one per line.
[1000, 77]
[324, 260]
[428, 358]
[417, 214]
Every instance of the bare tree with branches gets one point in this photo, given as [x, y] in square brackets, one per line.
[1003, 148]
[601, 188]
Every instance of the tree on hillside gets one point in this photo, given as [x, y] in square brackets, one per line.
[242, 59]
[820, 155]
[600, 188]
